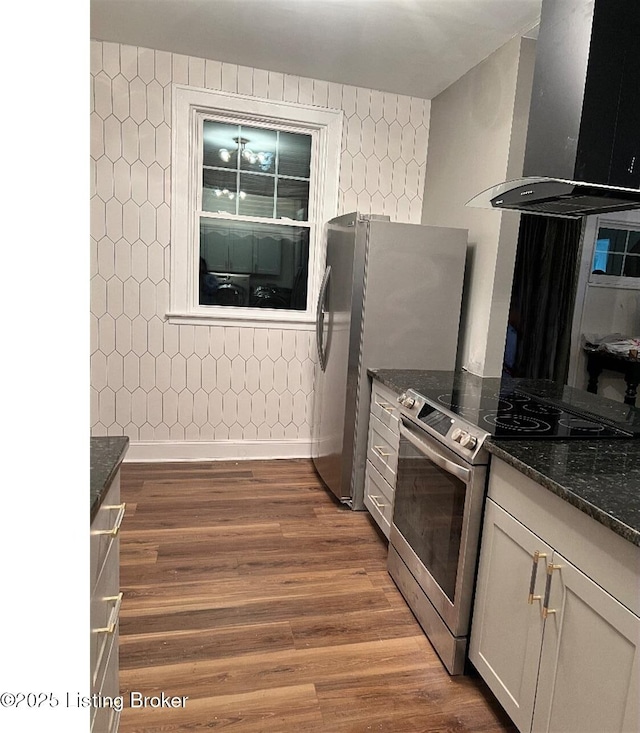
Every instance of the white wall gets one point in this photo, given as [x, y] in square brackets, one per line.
[476, 140]
[211, 391]
[611, 310]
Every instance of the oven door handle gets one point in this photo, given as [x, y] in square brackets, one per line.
[437, 458]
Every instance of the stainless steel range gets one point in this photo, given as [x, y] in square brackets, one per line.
[440, 489]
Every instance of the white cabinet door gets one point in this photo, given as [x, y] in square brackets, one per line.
[588, 678]
[241, 253]
[506, 632]
[228, 251]
[268, 256]
[215, 251]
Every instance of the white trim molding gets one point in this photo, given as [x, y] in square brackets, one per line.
[189, 105]
[234, 320]
[159, 451]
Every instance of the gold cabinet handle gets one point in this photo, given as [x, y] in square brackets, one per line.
[546, 611]
[379, 449]
[534, 571]
[377, 504]
[113, 616]
[385, 406]
[116, 527]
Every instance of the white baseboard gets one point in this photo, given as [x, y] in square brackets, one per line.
[219, 450]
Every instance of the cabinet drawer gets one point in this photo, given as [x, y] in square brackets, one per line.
[378, 498]
[104, 529]
[105, 608]
[105, 719]
[384, 405]
[382, 450]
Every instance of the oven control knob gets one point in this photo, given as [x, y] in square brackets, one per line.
[457, 435]
[468, 441]
[406, 400]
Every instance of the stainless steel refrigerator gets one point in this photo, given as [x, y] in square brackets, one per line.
[390, 299]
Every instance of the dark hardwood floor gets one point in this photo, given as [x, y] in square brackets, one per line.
[250, 590]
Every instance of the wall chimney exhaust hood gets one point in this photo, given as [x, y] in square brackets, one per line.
[582, 153]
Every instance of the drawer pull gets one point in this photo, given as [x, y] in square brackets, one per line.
[385, 406]
[375, 501]
[379, 449]
[546, 611]
[534, 571]
[116, 527]
[113, 616]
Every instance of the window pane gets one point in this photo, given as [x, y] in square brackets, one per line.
[253, 265]
[258, 149]
[293, 199]
[219, 190]
[632, 266]
[256, 195]
[617, 239]
[614, 264]
[294, 155]
[219, 144]
[632, 260]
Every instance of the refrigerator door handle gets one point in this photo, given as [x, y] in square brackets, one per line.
[320, 318]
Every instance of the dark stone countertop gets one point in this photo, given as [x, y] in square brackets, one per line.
[599, 477]
[424, 381]
[106, 456]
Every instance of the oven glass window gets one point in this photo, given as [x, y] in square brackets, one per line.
[428, 511]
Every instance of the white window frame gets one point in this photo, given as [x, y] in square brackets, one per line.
[325, 126]
[612, 281]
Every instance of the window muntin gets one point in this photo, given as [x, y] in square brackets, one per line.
[617, 253]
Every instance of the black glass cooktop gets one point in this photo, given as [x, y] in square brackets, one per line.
[506, 410]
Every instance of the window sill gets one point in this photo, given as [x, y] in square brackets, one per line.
[241, 318]
[615, 281]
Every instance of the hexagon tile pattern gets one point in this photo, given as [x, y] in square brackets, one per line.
[156, 381]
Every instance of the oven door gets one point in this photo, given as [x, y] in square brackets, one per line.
[436, 522]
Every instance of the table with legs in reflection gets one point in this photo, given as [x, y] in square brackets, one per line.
[629, 367]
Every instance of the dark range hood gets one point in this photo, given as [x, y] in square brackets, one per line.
[582, 153]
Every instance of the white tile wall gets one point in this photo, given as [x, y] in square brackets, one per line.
[156, 381]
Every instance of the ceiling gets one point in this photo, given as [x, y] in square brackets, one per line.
[413, 47]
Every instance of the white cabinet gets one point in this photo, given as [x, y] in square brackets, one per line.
[507, 632]
[555, 630]
[267, 256]
[588, 677]
[382, 456]
[235, 251]
[228, 253]
[105, 606]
